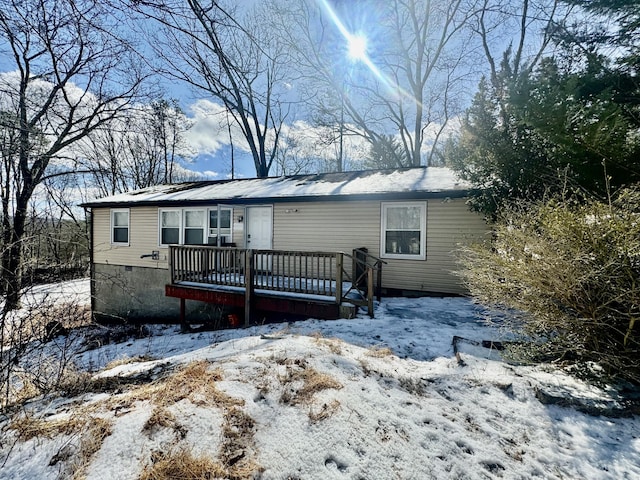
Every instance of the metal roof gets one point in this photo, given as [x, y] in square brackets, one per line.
[420, 182]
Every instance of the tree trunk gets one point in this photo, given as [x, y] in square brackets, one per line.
[12, 261]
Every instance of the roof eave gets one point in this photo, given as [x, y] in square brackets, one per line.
[413, 195]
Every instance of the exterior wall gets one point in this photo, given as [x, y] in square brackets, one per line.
[123, 293]
[343, 226]
[143, 238]
[128, 286]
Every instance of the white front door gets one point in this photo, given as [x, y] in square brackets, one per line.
[259, 228]
[259, 231]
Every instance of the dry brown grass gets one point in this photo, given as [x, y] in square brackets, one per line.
[237, 450]
[181, 464]
[236, 458]
[90, 443]
[379, 352]
[28, 426]
[333, 344]
[326, 410]
[89, 430]
[311, 382]
[160, 418]
[195, 382]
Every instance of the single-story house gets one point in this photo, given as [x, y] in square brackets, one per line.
[409, 220]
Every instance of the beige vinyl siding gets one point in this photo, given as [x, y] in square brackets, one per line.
[321, 226]
[449, 223]
[143, 238]
[327, 226]
[343, 226]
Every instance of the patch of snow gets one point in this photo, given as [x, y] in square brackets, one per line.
[430, 180]
[413, 414]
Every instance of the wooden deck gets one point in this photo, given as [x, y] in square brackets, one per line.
[313, 284]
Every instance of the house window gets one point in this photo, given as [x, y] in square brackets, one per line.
[120, 227]
[225, 221]
[170, 227]
[189, 226]
[403, 232]
[194, 225]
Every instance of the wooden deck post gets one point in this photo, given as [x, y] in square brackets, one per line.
[172, 264]
[370, 291]
[379, 282]
[183, 316]
[339, 271]
[249, 273]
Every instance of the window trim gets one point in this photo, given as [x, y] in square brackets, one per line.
[160, 212]
[112, 213]
[384, 206]
[222, 230]
[202, 227]
[182, 224]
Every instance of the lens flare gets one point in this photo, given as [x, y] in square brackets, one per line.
[357, 50]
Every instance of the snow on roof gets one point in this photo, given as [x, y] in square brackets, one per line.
[430, 180]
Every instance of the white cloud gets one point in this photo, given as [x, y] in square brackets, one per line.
[209, 132]
[209, 135]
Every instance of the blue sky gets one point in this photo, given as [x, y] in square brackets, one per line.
[209, 136]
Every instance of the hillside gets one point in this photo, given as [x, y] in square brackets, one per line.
[349, 399]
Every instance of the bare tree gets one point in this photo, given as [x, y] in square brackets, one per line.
[410, 80]
[142, 147]
[71, 75]
[514, 37]
[231, 57]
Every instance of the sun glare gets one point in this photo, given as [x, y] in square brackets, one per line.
[357, 47]
[357, 51]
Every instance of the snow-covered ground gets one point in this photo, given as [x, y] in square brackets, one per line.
[381, 398]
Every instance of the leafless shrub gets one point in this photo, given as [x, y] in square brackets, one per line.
[38, 344]
[567, 277]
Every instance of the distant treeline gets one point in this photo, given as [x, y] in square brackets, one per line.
[55, 250]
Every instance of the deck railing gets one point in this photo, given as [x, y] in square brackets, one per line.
[309, 273]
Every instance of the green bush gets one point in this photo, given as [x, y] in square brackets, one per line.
[568, 275]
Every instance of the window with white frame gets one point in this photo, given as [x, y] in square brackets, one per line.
[403, 230]
[224, 222]
[194, 225]
[186, 226]
[120, 226]
[170, 224]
